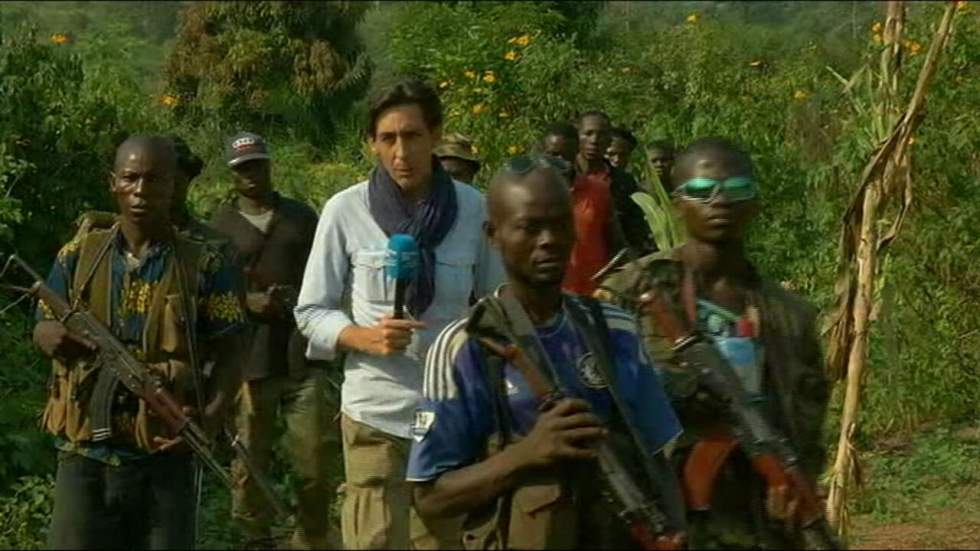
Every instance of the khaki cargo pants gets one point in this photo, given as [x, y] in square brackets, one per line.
[310, 441]
[377, 511]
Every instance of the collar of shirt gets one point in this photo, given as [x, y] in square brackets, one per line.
[133, 262]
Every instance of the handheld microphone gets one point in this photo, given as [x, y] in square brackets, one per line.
[401, 262]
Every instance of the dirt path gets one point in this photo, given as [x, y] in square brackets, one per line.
[944, 529]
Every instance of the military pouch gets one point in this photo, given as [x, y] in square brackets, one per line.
[63, 413]
[543, 516]
[482, 529]
[174, 326]
[540, 515]
[178, 379]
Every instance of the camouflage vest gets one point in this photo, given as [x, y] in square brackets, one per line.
[794, 382]
[166, 348]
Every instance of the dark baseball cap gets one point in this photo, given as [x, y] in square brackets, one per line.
[244, 147]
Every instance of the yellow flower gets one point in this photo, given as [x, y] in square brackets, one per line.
[60, 38]
[693, 18]
[479, 108]
[876, 28]
[800, 94]
[511, 56]
[489, 77]
[514, 149]
[169, 101]
[523, 40]
[469, 74]
[444, 84]
[913, 46]
[876, 38]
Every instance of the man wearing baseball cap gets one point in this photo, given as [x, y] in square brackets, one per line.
[273, 235]
[457, 157]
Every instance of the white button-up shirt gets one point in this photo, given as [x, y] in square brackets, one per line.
[347, 261]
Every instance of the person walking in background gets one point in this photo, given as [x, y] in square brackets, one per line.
[458, 158]
[622, 143]
[408, 192]
[273, 235]
[661, 153]
[598, 234]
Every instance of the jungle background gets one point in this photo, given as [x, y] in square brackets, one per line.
[77, 77]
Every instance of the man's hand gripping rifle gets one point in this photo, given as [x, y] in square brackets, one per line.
[490, 324]
[770, 453]
[113, 355]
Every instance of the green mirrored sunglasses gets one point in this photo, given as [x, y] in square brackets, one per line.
[736, 188]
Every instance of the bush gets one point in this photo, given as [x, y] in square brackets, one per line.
[290, 66]
[61, 123]
[25, 513]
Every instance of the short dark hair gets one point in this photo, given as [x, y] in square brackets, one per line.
[407, 92]
[666, 145]
[715, 145]
[599, 114]
[152, 142]
[625, 135]
[563, 129]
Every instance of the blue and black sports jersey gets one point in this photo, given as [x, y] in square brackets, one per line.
[456, 416]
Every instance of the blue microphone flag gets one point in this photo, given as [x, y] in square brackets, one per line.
[402, 256]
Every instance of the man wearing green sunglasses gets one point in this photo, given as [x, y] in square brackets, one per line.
[767, 334]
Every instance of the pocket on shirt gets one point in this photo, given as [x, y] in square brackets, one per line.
[369, 281]
[454, 283]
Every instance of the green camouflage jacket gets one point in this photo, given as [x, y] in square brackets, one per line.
[796, 389]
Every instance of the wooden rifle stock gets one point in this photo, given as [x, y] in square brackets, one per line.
[701, 469]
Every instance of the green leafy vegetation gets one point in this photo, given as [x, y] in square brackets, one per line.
[77, 77]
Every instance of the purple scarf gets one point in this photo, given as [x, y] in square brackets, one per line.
[428, 221]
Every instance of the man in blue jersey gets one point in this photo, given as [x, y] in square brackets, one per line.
[483, 448]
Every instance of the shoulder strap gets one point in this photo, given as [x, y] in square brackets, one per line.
[187, 262]
[92, 267]
[496, 383]
[596, 334]
[501, 409]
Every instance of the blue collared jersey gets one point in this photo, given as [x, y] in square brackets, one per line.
[456, 416]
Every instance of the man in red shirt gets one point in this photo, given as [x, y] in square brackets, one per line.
[597, 232]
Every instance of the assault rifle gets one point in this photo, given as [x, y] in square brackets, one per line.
[113, 356]
[646, 522]
[770, 453]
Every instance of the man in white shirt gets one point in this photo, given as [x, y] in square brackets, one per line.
[407, 192]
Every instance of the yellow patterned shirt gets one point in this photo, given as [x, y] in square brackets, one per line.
[134, 281]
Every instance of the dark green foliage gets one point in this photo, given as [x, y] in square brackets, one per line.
[91, 73]
[59, 128]
[290, 66]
